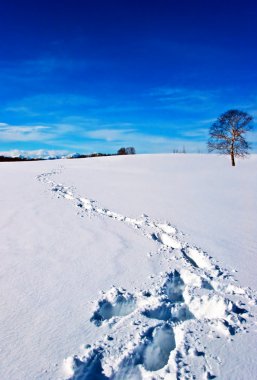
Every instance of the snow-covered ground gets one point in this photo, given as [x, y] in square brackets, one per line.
[137, 267]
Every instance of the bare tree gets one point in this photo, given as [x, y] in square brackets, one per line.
[130, 150]
[125, 151]
[227, 134]
[121, 151]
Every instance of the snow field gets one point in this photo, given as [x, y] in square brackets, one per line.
[128, 268]
[196, 296]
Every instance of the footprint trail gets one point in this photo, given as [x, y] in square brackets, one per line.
[167, 330]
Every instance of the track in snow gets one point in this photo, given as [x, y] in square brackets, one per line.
[165, 330]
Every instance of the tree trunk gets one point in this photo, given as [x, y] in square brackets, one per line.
[233, 159]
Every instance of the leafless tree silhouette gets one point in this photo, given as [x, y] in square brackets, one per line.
[227, 134]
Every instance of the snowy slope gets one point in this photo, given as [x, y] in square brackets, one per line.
[165, 238]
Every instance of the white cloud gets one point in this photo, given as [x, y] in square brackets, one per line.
[38, 133]
[24, 133]
[90, 135]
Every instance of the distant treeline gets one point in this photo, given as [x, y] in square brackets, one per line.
[121, 151]
[10, 159]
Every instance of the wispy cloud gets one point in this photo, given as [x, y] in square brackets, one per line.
[143, 142]
[178, 94]
[20, 110]
[118, 108]
[200, 133]
[182, 98]
[24, 133]
[40, 103]
[41, 134]
[253, 137]
[39, 68]
[207, 121]
[91, 135]
[110, 134]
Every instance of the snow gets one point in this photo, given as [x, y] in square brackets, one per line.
[134, 267]
[169, 241]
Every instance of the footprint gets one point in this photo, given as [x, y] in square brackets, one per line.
[158, 348]
[88, 369]
[116, 303]
[153, 353]
[173, 287]
[167, 228]
[175, 313]
[181, 313]
[162, 312]
[168, 240]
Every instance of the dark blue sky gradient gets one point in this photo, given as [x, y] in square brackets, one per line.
[94, 75]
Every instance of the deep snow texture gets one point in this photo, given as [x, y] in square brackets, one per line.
[60, 248]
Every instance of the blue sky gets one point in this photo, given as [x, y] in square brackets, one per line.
[96, 75]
